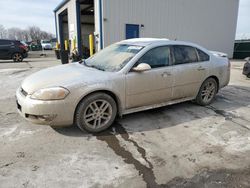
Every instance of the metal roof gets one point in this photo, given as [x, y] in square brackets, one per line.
[61, 5]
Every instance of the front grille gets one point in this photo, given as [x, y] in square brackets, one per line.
[24, 93]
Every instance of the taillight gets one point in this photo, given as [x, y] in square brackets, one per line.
[23, 47]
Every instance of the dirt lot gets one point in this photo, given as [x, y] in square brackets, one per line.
[183, 145]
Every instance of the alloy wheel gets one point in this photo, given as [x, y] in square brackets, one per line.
[208, 91]
[97, 114]
[17, 57]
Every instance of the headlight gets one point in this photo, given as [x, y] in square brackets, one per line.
[55, 93]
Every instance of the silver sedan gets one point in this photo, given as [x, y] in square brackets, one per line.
[126, 77]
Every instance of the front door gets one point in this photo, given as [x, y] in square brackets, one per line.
[153, 86]
[132, 31]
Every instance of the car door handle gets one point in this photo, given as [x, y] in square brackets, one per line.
[166, 74]
[201, 69]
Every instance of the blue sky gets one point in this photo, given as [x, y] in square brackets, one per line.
[40, 13]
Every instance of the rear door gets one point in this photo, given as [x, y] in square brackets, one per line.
[6, 47]
[189, 71]
[153, 86]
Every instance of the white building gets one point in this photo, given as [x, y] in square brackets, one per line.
[210, 23]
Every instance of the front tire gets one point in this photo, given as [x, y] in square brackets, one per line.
[207, 92]
[96, 113]
[17, 57]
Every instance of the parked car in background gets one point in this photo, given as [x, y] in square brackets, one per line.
[126, 77]
[35, 46]
[246, 69]
[53, 43]
[13, 49]
[46, 44]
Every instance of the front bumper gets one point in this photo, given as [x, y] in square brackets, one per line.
[25, 54]
[53, 113]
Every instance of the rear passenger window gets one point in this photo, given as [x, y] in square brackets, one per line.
[202, 56]
[5, 42]
[184, 54]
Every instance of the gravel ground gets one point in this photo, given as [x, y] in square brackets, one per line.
[183, 145]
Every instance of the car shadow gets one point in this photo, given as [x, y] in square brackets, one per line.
[7, 61]
[227, 101]
[11, 61]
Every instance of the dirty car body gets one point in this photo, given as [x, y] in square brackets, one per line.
[152, 73]
[246, 69]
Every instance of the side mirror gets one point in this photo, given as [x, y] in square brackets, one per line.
[142, 67]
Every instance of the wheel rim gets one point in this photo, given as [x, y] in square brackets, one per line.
[208, 92]
[17, 57]
[97, 114]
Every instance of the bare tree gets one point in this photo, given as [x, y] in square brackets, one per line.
[14, 33]
[3, 32]
[35, 33]
[32, 33]
[26, 36]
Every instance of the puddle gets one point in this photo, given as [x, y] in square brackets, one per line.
[113, 143]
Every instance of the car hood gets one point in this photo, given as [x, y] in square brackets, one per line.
[67, 76]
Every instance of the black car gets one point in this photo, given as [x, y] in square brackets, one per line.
[13, 49]
[246, 69]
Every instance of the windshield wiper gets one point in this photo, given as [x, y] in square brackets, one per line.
[95, 67]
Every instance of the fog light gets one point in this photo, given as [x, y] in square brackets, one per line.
[46, 117]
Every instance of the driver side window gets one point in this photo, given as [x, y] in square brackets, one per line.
[156, 57]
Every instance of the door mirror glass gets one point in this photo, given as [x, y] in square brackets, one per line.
[142, 67]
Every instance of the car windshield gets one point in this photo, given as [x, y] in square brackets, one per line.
[113, 58]
[45, 41]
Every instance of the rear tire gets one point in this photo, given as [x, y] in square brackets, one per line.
[17, 57]
[248, 75]
[207, 92]
[96, 113]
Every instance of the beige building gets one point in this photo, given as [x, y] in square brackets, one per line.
[210, 23]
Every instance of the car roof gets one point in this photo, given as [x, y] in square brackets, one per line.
[152, 41]
[143, 41]
[4, 40]
[157, 41]
[9, 40]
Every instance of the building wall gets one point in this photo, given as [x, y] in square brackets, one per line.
[210, 23]
[97, 24]
[72, 25]
[87, 29]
